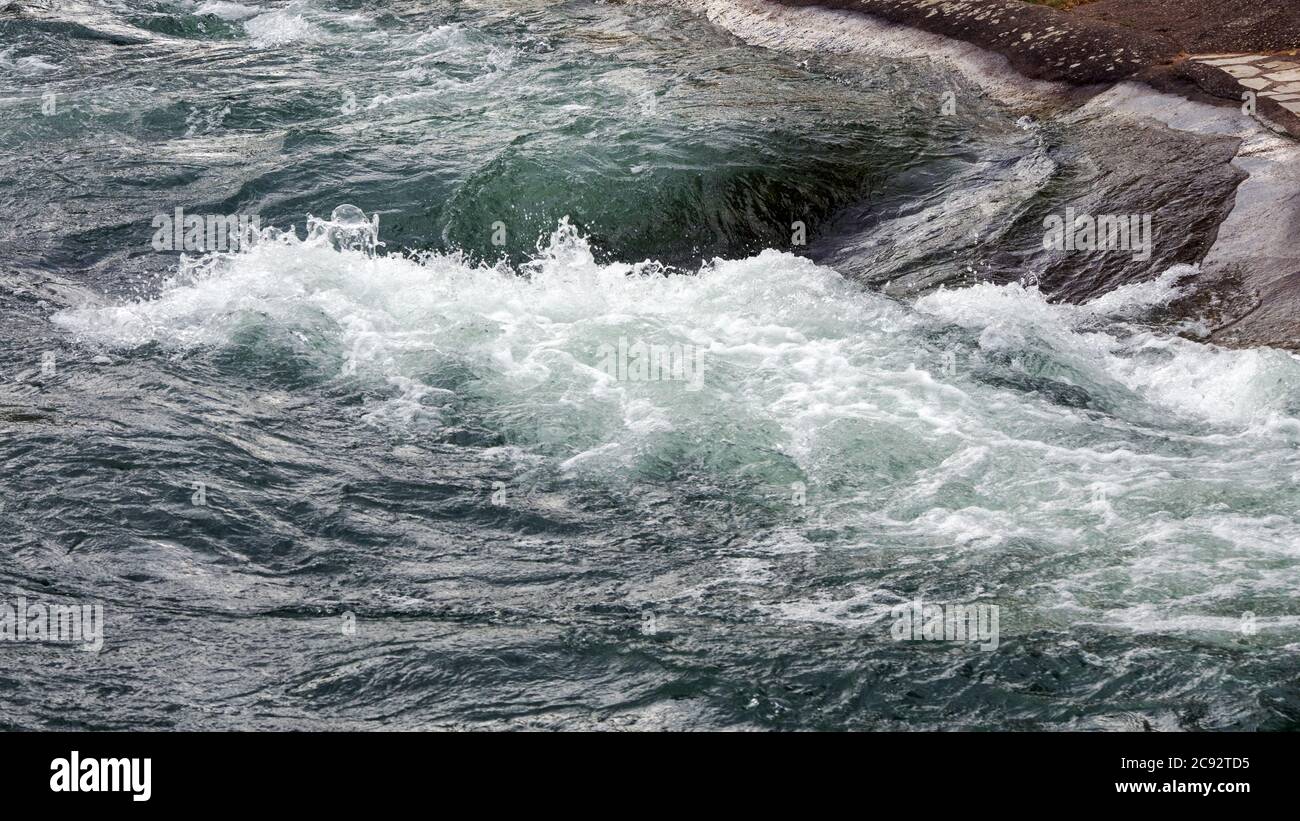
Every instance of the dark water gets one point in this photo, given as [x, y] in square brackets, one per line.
[316, 486]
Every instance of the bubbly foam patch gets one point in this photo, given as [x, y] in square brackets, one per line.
[30, 65]
[1182, 377]
[983, 422]
[227, 10]
[283, 26]
[793, 337]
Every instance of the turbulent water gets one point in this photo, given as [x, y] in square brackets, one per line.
[345, 481]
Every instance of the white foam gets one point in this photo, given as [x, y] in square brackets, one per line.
[282, 26]
[805, 376]
[1187, 378]
[29, 65]
[227, 10]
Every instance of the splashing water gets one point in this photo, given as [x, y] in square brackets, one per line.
[657, 470]
[981, 427]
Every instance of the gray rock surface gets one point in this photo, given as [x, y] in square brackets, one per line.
[1040, 42]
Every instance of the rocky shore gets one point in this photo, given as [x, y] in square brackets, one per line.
[1173, 45]
[1204, 26]
[1040, 42]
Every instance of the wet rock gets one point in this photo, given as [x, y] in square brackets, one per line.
[1040, 42]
